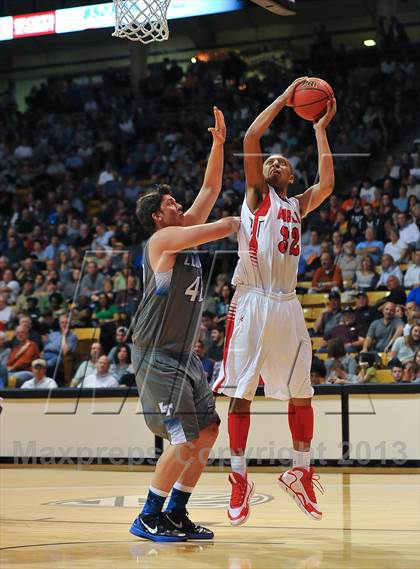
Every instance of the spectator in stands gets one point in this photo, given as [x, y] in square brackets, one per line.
[222, 305]
[121, 365]
[4, 350]
[9, 286]
[405, 347]
[396, 248]
[39, 379]
[328, 277]
[313, 248]
[6, 313]
[413, 187]
[401, 202]
[207, 363]
[331, 316]
[348, 262]
[412, 315]
[87, 367]
[81, 316]
[370, 246]
[347, 331]
[120, 338]
[207, 324]
[365, 278]
[21, 356]
[410, 374]
[412, 276]
[127, 300]
[215, 349]
[341, 367]
[383, 331]
[101, 377]
[26, 292]
[366, 373]
[396, 292]
[93, 281]
[318, 371]
[102, 236]
[367, 191]
[364, 313]
[409, 232]
[105, 310]
[414, 296]
[397, 371]
[71, 284]
[388, 268]
[59, 345]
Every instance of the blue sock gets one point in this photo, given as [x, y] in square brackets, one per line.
[154, 503]
[178, 500]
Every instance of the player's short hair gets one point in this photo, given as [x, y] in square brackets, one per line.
[149, 204]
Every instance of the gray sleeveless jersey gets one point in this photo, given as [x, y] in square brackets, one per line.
[170, 310]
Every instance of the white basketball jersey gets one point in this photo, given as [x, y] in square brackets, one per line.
[269, 245]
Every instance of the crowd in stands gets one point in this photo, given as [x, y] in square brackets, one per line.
[73, 164]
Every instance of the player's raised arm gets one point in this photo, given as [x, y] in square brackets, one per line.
[166, 243]
[316, 194]
[212, 184]
[253, 160]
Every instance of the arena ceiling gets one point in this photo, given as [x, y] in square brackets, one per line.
[201, 31]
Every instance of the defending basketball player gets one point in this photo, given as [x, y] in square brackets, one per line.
[177, 402]
[266, 333]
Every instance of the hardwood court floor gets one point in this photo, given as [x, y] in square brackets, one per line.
[59, 518]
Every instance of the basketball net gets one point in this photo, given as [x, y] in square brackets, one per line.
[141, 20]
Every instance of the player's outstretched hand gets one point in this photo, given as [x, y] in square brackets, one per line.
[288, 94]
[326, 118]
[219, 129]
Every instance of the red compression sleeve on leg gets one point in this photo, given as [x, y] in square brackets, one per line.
[238, 425]
[301, 422]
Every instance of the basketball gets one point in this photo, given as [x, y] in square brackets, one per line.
[310, 98]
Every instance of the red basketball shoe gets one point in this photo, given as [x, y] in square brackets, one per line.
[242, 492]
[299, 484]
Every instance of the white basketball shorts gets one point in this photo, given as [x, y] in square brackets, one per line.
[266, 337]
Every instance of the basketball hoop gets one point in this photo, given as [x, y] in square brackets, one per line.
[141, 20]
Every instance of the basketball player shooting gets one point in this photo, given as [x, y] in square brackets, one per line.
[177, 402]
[266, 333]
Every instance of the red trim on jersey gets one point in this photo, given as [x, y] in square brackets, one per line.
[253, 243]
[230, 325]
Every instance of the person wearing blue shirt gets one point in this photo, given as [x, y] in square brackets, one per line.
[371, 246]
[414, 296]
[59, 344]
[313, 247]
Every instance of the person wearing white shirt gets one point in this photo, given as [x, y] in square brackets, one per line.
[39, 380]
[87, 367]
[9, 286]
[6, 313]
[106, 175]
[396, 248]
[413, 188]
[388, 269]
[101, 378]
[367, 192]
[412, 276]
[23, 150]
[409, 232]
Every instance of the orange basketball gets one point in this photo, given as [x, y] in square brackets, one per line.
[310, 98]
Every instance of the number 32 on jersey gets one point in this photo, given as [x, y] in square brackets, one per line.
[287, 239]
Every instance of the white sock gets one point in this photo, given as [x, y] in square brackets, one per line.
[182, 488]
[160, 493]
[301, 459]
[238, 464]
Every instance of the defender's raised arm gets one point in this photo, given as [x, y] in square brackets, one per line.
[212, 184]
